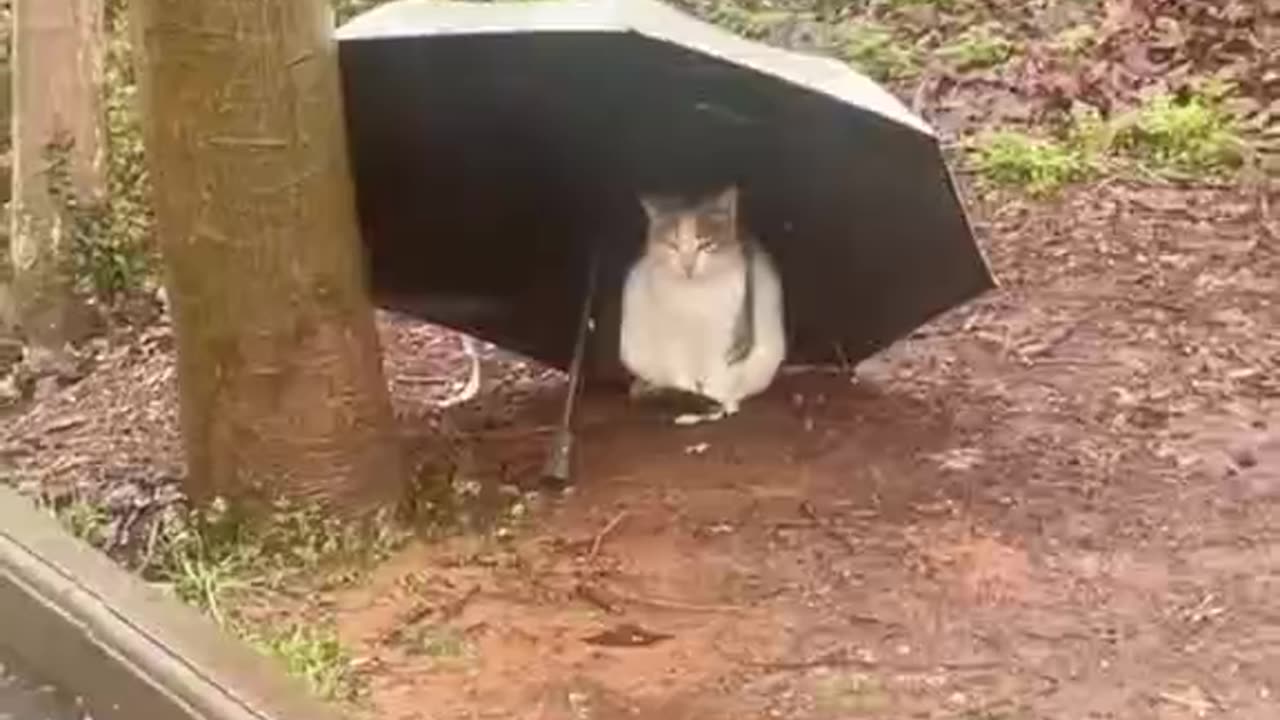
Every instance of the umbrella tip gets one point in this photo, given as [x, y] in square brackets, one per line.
[558, 471]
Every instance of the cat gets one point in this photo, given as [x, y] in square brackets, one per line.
[702, 307]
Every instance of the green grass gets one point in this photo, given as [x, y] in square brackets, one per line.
[939, 4]
[874, 50]
[226, 564]
[1190, 137]
[1166, 137]
[978, 47]
[1038, 165]
[85, 520]
[745, 21]
[312, 654]
[1076, 40]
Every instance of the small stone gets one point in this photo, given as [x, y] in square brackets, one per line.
[11, 353]
[1244, 457]
[45, 387]
[10, 393]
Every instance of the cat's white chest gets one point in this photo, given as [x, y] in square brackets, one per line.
[677, 331]
[684, 323]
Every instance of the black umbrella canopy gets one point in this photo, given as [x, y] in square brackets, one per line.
[497, 147]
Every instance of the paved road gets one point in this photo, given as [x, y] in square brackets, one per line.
[23, 698]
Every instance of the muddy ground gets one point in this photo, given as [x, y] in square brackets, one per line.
[1060, 501]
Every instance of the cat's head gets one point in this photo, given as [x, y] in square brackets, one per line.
[695, 236]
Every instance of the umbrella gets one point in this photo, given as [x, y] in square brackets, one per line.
[497, 149]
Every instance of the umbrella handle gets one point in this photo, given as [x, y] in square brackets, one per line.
[558, 468]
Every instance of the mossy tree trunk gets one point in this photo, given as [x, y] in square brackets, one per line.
[58, 158]
[282, 388]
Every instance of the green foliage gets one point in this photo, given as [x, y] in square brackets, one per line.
[747, 22]
[981, 46]
[939, 4]
[1075, 40]
[1192, 136]
[1039, 165]
[1189, 136]
[313, 654]
[122, 257]
[86, 520]
[207, 556]
[110, 236]
[225, 563]
[344, 10]
[873, 49]
[439, 642]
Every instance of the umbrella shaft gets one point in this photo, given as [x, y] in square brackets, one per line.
[580, 344]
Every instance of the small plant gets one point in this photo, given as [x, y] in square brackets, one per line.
[977, 47]
[439, 642]
[1040, 165]
[875, 51]
[1075, 40]
[939, 4]
[850, 693]
[84, 519]
[1188, 136]
[206, 554]
[747, 22]
[313, 654]
[121, 258]
[344, 10]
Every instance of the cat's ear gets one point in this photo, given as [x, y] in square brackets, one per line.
[652, 205]
[726, 201]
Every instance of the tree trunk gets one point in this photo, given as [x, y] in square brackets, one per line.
[281, 380]
[57, 157]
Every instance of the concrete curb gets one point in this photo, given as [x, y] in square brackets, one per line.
[131, 652]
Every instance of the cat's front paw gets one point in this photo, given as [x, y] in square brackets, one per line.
[695, 418]
[641, 389]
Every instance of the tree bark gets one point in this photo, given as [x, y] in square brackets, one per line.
[58, 157]
[281, 382]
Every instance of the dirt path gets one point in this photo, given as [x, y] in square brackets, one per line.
[1058, 503]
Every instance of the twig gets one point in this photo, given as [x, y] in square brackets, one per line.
[663, 603]
[1195, 705]
[827, 529]
[589, 593]
[448, 612]
[153, 537]
[833, 659]
[604, 532]
[120, 537]
[455, 608]
[842, 659]
[472, 387]
[507, 433]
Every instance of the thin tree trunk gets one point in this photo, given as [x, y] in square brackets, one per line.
[281, 380]
[57, 157]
